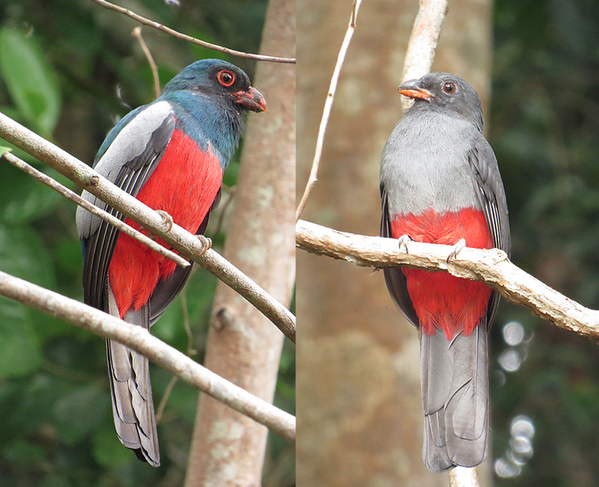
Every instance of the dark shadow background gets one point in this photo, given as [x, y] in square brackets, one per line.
[544, 127]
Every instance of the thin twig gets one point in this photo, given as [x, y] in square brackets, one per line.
[328, 105]
[188, 245]
[187, 325]
[190, 352]
[67, 193]
[137, 34]
[193, 40]
[223, 210]
[140, 340]
[490, 266]
[163, 401]
[423, 42]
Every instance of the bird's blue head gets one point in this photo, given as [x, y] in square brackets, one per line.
[219, 80]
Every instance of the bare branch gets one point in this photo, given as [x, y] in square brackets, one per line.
[188, 245]
[193, 40]
[140, 340]
[463, 477]
[423, 41]
[137, 34]
[328, 105]
[67, 193]
[490, 266]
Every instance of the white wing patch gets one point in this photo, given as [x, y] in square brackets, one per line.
[130, 142]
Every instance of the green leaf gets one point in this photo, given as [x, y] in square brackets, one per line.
[78, 413]
[107, 449]
[22, 198]
[30, 80]
[55, 480]
[20, 351]
[24, 453]
[22, 254]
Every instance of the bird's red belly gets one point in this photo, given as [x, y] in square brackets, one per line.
[184, 185]
[440, 300]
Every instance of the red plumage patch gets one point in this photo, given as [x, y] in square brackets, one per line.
[442, 301]
[184, 184]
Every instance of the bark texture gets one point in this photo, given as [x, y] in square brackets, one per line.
[243, 346]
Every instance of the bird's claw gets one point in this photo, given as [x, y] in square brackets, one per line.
[403, 243]
[167, 220]
[206, 243]
[457, 248]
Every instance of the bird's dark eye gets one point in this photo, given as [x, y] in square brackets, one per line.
[225, 78]
[449, 88]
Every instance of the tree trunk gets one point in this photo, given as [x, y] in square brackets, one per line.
[358, 393]
[243, 346]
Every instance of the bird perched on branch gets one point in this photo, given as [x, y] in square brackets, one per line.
[440, 183]
[169, 154]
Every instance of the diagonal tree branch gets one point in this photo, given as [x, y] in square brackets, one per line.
[193, 40]
[157, 351]
[490, 266]
[188, 245]
[75, 198]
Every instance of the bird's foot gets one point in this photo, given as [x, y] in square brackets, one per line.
[167, 220]
[403, 242]
[206, 243]
[457, 248]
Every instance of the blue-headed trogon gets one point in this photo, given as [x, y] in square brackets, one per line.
[169, 154]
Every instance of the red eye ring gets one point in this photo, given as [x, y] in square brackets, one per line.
[225, 78]
[449, 88]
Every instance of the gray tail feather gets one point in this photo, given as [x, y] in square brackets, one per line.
[131, 391]
[455, 395]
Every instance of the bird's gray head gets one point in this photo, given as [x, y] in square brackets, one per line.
[446, 92]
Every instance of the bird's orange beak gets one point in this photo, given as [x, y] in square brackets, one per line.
[411, 89]
[251, 99]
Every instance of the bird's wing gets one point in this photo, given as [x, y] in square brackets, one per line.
[491, 196]
[491, 193]
[137, 146]
[394, 277]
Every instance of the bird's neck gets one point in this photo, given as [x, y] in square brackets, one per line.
[423, 109]
[208, 120]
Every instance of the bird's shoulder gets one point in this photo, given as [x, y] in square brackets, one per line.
[132, 136]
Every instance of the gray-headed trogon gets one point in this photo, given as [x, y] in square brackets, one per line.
[440, 183]
[169, 154]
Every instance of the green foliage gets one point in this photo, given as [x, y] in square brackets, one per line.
[544, 125]
[29, 80]
[20, 351]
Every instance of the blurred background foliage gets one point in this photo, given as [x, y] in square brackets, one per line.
[69, 70]
[544, 127]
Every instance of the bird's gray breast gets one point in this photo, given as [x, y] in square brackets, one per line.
[425, 164]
